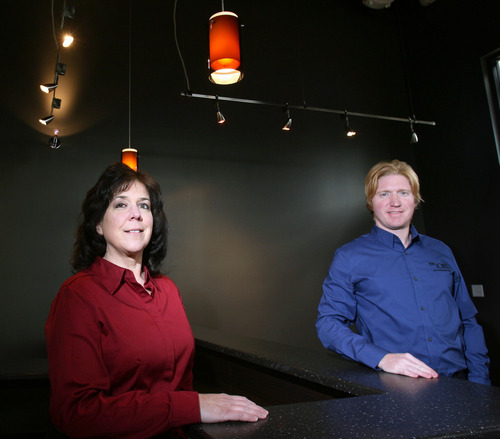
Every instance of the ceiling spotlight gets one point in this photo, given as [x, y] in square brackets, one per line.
[47, 88]
[60, 68]
[348, 130]
[377, 4]
[56, 103]
[413, 137]
[55, 142]
[69, 11]
[288, 124]
[46, 120]
[220, 117]
[67, 40]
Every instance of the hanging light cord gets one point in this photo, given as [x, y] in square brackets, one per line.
[54, 25]
[178, 48]
[130, 73]
[405, 67]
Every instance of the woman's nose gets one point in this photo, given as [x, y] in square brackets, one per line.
[135, 213]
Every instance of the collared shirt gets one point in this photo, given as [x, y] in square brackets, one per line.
[401, 300]
[120, 359]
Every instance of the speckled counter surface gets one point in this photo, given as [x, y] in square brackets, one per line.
[383, 405]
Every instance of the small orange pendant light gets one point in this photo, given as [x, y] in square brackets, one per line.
[129, 157]
[225, 59]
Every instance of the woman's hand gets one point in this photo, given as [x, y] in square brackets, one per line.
[221, 407]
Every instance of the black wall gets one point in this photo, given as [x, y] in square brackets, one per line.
[255, 214]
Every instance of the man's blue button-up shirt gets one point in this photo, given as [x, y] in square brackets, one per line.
[401, 300]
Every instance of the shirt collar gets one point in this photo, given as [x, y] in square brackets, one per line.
[390, 239]
[111, 276]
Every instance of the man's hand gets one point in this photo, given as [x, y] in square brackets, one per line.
[406, 364]
[222, 407]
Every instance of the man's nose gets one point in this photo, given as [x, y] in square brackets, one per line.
[395, 201]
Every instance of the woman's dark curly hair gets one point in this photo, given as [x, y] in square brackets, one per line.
[115, 179]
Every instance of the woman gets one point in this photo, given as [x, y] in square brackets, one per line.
[119, 343]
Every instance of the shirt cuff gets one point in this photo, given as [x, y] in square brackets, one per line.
[371, 355]
[185, 408]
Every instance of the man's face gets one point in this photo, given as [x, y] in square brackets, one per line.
[393, 203]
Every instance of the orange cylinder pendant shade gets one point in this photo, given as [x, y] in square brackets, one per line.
[129, 157]
[224, 37]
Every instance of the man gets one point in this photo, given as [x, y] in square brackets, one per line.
[403, 291]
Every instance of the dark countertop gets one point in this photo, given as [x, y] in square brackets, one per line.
[383, 405]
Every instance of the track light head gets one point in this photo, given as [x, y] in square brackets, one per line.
[413, 137]
[349, 132]
[69, 11]
[288, 124]
[67, 40]
[60, 69]
[55, 142]
[220, 117]
[46, 120]
[47, 88]
[56, 103]
[378, 4]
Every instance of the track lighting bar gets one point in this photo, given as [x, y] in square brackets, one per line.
[306, 107]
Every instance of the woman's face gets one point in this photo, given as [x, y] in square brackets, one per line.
[127, 224]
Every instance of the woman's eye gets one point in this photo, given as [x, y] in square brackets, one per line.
[144, 206]
[119, 205]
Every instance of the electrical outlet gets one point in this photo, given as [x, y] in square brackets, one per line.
[477, 291]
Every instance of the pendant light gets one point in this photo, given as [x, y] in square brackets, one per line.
[129, 158]
[224, 42]
[129, 155]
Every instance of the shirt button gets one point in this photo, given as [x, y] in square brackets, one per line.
[430, 339]
[415, 278]
[422, 308]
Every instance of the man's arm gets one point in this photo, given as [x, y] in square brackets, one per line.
[475, 350]
[337, 312]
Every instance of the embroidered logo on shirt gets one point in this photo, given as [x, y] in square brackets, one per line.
[440, 266]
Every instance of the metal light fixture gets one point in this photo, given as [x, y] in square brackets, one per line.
[55, 142]
[288, 124]
[130, 158]
[46, 120]
[377, 4]
[413, 137]
[224, 43]
[47, 88]
[56, 103]
[220, 117]
[67, 40]
[69, 11]
[349, 132]
[305, 107]
[60, 68]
